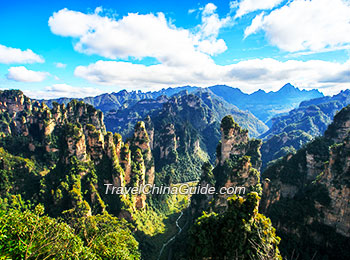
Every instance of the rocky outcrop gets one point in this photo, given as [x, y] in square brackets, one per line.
[235, 143]
[316, 182]
[76, 146]
[336, 179]
[143, 142]
[74, 137]
[340, 127]
[234, 182]
[233, 139]
[234, 170]
[167, 143]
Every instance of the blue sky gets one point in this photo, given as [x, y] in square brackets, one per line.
[83, 48]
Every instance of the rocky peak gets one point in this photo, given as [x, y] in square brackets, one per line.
[233, 139]
[167, 143]
[238, 159]
[288, 88]
[143, 142]
[13, 101]
[80, 112]
[76, 143]
[140, 138]
[340, 127]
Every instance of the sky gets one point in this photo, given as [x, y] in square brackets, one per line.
[68, 48]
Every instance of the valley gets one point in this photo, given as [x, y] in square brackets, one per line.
[61, 155]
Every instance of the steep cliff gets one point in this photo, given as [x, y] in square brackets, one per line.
[307, 195]
[237, 165]
[72, 156]
[231, 226]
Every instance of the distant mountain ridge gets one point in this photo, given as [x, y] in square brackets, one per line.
[112, 101]
[289, 132]
[263, 105]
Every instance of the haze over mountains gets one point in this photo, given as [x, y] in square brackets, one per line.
[263, 105]
[289, 132]
[286, 119]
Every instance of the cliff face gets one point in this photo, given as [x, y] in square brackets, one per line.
[316, 182]
[231, 226]
[167, 144]
[337, 180]
[143, 142]
[76, 154]
[82, 124]
[233, 140]
[235, 143]
[237, 163]
[176, 132]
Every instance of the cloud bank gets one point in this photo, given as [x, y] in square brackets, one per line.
[185, 56]
[22, 74]
[10, 55]
[304, 25]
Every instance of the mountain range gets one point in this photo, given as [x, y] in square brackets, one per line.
[61, 161]
[263, 105]
[290, 131]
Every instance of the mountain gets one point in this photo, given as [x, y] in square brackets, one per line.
[186, 122]
[261, 104]
[124, 118]
[61, 169]
[229, 226]
[289, 132]
[64, 162]
[113, 101]
[306, 195]
[265, 105]
[73, 154]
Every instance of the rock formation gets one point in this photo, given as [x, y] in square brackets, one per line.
[307, 193]
[238, 158]
[72, 140]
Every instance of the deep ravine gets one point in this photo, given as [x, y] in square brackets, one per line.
[173, 237]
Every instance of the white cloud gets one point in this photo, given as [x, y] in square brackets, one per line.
[248, 6]
[10, 55]
[63, 90]
[183, 55]
[209, 9]
[250, 75]
[60, 65]
[255, 25]
[22, 74]
[306, 25]
[140, 36]
[98, 10]
[208, 31]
